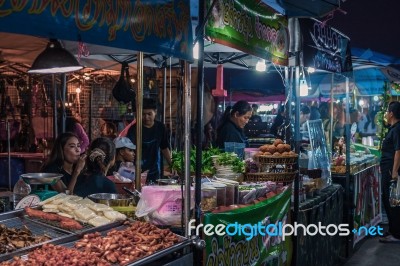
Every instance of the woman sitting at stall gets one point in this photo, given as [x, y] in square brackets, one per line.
[233, 122]
[65, 158]
[101, 156]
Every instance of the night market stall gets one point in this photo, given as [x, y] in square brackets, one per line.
[65, 224]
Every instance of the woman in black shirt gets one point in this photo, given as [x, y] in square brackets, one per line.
[231, 128]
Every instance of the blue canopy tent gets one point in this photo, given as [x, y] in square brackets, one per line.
[371, 71]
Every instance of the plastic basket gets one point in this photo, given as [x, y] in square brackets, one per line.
[273, 159]
[274, 177]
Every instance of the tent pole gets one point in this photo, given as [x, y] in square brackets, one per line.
[139, 110]
[199, 116]
[187, 116]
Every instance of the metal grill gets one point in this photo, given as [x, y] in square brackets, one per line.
[56, 224]
[35, 228]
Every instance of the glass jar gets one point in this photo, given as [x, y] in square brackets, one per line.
[221, 193]
[208, 198]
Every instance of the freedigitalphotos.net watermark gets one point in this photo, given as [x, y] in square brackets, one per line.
[280, 229]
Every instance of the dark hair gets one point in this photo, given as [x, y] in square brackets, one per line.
[57, 153]
[149, 103]
[241, 107]
[395, 108]
[98, 164]
[305, 109]
[324, 110]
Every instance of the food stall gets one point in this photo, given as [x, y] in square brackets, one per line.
[50, 228]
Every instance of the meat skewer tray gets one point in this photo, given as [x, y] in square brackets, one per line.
[174, 249]
[17, 219]
[183, 243]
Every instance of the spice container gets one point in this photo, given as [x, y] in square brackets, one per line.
[208, 198]
[232, 191]
[221, 192]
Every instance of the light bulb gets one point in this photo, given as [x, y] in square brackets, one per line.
[261, 66]
[303, 88]
[196, 51]
[78, 90]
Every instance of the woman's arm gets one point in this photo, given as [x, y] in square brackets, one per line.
[77, 170]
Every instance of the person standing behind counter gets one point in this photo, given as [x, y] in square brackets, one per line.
[233, 122]
[390, 166]
[125, 152]
[154, 139]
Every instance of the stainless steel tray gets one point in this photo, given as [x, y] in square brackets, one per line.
[72, 239]
[17, 219]
[184, 242]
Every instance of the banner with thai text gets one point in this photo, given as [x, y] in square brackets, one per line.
[261, 249]
[251, 27]
[162, 27]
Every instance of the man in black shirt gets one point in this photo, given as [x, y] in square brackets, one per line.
[390, 164]
[154, 139]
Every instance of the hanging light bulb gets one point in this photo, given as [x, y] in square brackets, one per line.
[78, 90]
[261, 66]
[196, 51]
[310, 70]
[303, 88]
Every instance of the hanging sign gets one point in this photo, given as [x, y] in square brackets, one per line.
[325, 48]
[251, 27]
[247, 246]
[162, 26]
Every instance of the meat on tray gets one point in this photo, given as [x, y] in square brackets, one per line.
[14, 238]
[64, 222]
[50, 255]
[140, 239]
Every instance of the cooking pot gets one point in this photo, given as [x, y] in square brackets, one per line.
[112, 200]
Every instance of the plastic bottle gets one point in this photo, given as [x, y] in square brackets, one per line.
[21, 189]
[394, 198]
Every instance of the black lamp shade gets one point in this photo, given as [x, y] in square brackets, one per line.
[54, 59]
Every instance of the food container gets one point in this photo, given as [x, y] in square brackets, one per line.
[112, 200]
[221, 192]
[125, 204]
[208, 198]
[232, 191]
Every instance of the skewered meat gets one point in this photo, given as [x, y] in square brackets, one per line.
[65, 222]
[124, 246]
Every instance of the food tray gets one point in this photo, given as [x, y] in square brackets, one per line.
[275, 159]
[170, 251]
[36, 229]
[17, 219]
[274, 177]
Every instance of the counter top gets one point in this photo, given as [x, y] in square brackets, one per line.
[27, 155]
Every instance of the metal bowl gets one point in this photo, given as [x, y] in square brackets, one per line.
[41, 178]
[167, 181]
[112, 200]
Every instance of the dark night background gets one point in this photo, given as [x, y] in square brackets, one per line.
[370, 24]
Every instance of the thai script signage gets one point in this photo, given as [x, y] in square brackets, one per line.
[251, 27]
[162, 27]
[324, 47]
